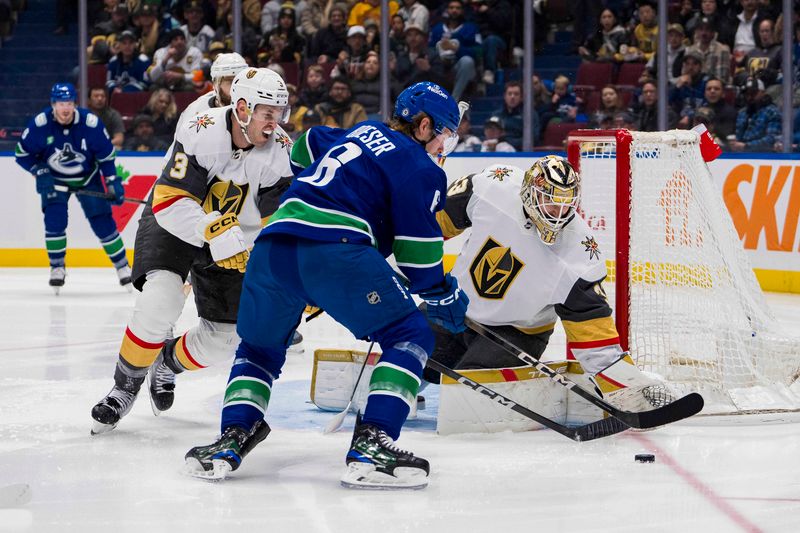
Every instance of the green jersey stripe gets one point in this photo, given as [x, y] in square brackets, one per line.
[419, 253]
[295, 210]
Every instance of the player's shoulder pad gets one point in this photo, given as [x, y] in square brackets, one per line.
[498, 176]
[91, 119]
[40, 120]
[205, 132]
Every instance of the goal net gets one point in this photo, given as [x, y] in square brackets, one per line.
[687, 303]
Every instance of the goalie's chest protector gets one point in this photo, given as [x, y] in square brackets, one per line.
[510, 275]
[234, 176]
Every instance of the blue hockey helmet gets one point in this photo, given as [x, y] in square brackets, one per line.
[63, 92]
[431, 99]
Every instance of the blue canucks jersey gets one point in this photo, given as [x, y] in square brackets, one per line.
[368, 185]
[73, 152]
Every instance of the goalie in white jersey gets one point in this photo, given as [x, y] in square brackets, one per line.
[531, 259]
[225, 172]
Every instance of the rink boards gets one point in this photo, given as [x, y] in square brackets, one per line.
[760, 191]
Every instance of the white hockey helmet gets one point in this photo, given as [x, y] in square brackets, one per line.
[260, 86]
[227, 65]
[550, 195]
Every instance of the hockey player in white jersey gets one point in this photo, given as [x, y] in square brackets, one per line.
[530, 260]
[223, 70]
[226, 170]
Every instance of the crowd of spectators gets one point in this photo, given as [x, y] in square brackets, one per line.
[326, 50]
[724, 62]
[724, 68]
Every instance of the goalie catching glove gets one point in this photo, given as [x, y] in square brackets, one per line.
[225, 240]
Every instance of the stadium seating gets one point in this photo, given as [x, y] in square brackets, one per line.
[556, 133]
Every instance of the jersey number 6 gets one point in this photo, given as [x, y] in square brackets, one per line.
[329, 164]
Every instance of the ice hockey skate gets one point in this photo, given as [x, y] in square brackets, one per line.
[374, 462]
[215, 461]
[161, 382]
[108, 411]
[124, 275]
[57, 275]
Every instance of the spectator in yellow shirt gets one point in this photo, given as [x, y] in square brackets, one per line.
[370, 10]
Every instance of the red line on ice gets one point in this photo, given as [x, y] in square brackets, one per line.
[715, 499]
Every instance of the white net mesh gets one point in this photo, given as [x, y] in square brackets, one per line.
[697, 315]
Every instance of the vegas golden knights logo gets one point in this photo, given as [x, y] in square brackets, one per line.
[251, 73]
[493, 270]
[225, 197]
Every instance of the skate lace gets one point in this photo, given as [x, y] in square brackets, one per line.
[122, 397]
[164, 377]
[387, 442]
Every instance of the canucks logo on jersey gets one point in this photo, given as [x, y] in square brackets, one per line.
[494, 270]
[66, 160]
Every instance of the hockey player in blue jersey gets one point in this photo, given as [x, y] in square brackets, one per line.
[67, 148]
[371, 191]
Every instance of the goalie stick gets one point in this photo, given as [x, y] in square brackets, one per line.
[681, 408]
[594, 430]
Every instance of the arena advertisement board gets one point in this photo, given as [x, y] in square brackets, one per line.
[760, 191]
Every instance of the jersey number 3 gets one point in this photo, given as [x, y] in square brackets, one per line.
[330, 163]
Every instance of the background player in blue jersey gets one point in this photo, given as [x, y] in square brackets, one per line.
[67, 148]
[371, 191]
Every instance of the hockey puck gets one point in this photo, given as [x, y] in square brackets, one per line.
[645, 458]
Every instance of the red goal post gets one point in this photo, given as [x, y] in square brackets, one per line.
[686, 301]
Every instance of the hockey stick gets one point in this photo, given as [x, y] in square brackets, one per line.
[98, 194]
[681, 408]
[594, 430]
[336, 422]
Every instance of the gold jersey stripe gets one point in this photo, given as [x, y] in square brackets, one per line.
[594, 329]
[165, 193]
[536, 329]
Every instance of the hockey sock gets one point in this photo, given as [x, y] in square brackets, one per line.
[178, 356]
[250, 385]
[393, 387]
[137, 353]
[56, 244]
[106, 230]
[115, 249]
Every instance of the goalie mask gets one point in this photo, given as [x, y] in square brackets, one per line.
[550, 194]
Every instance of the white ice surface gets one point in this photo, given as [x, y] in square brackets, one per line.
[58, 356]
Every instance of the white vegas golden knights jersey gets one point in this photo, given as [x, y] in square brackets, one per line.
[202, 103]
[205, 172]
[511, 277]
